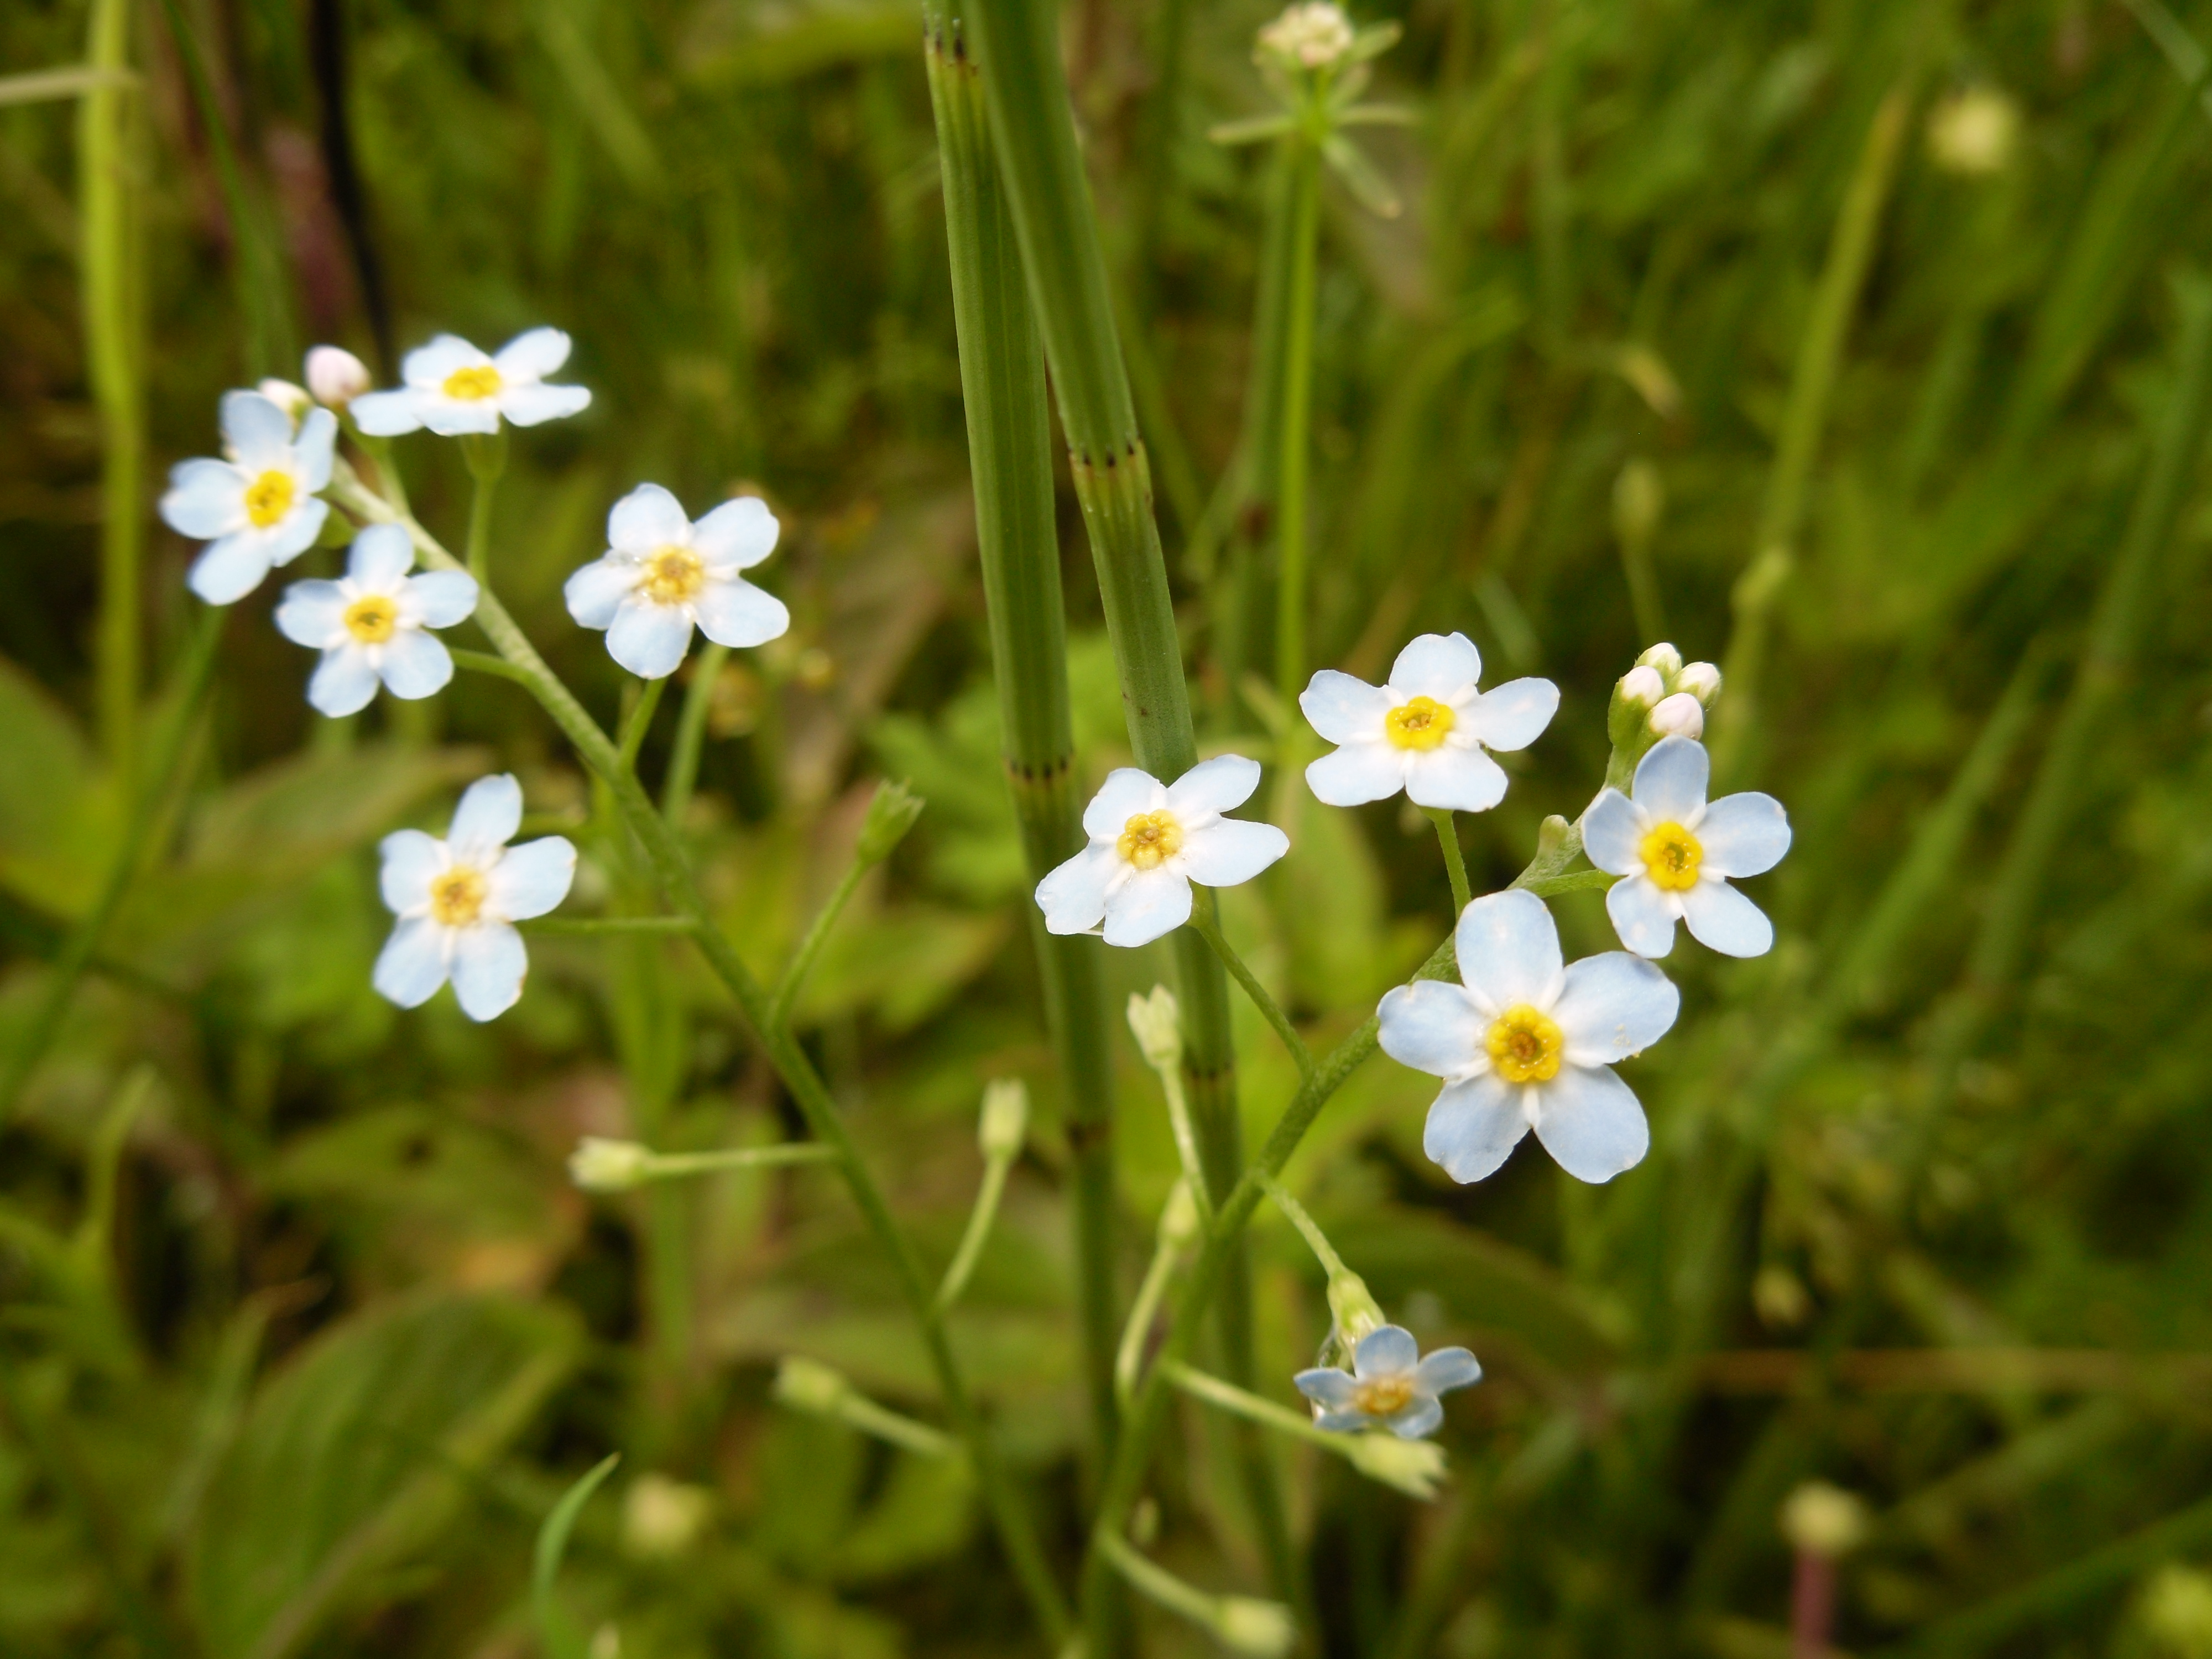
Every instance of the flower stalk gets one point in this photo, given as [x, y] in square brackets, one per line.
[1005, 1122]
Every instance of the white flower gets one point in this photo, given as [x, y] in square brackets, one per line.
[1426, 731]
[1150, 841]
[369, 624]
[456, 900]
[1389, 1385]
[452, 388]
[336, 376]
[661, 573]
[1526, 1043]
[1679, 715]
[258, 507]
[1312, 34]
[1676, 854]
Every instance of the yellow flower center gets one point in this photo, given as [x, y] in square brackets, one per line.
[269, 498]
[673, 576]
[1525, 1046]
[457, 896]
[1150, 839]
[1421, 724]
[1671, 855]
[1385, 1396]
[472, 385]
[372, 618]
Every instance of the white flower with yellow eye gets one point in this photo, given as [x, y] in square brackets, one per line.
[1390, 1385]
[1527, 1042]
[458, 901]
[1149, 841]
[661, 573]
[256, 507]
[369, 624]
[1427, 731]
[452, 388]
[1675, 853]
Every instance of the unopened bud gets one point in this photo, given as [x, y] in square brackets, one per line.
[1639, 496]
[890, 815]
[1641, 685]
[1974, 132]
[2177, 1610]
[1006, 1118]
[292, 400]
[1264, 1629]
[1157, 1023]
[1820, 1519]
[1415, 1467]
[1702, 681]
[1664, 658]
[336, 376]
[1179, 1215]
[1311, 36]
[663, 1517]
[609, 1166]
[1353, 1307]
[1679, 716]
[808, 1385]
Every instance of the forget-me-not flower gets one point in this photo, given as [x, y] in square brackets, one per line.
[661, 573]
[1389, 1385]
[370, 623]
[452, 388]
[256, 507]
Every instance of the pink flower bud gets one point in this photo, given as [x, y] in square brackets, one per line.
[336, 376]
[1679, 716]
[1701, 680]
[1642, 685]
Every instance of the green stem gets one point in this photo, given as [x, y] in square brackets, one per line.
[1297, 419]
[639, 721]
[1268, 1413]
[810, 947]
[1205, 920]
[666, 1165]
[1455, 860]
[1308, 1229]
[1017, 1533]
[690, 733]
[980, 1220]
[1169, 1246]
[486, 455]
[610, 924]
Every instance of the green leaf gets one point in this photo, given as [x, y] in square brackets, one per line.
[553, 1628]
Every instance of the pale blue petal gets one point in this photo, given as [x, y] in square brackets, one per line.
[531, 879]
[1357, 774]
[737, 535]
[1416, 1421]
[205, 499]
[1612, 835]
[257, 429]
[1612, 1006]
[417, 665]
[454, 417]
[1350, 1420]
[489, 965]
[1325, 1385]
[1073, 895]
[534, 405]
[736, 613]
[344, 682]
[386, 414]
[1344, 709]
[411, 859]
[649, 640]
[229, 569]
[1473, 1126]
[1213, 786]
[1386, 1351]
[1464, 780]
[1509, 951]
[318, 434]
[534, 355]
[594, 592]
[311, 613]
[1670, 781]
[1230, 851]
[412, 964]
[646, 520]
[1445, 1369]
[1150, 905]
[1433, 1026]
[1743, 835]
[1589, 1121]
[1443, 666]
[297, 533]
[381, 555]
[1721, 919]
[1513, 715]
[1125, 793]
[1642, 915]
[489, 813]
[443, 596]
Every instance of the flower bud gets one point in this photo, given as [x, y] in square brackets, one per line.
[890, 815]
[1006, 1118]
[663, 1517]
[1664, 658]
[336, 376]
[1179, 1215]
[1679, 716]
[1415, 1467]
[292, 400]
[1157, 1023]
[1702, 681]
[1354, 1308]
[1974, 132]
[1641, 685]
[609, 1166]
[1265, 1629]
[808, 1385]
[1312, 35]
[1820, 1519]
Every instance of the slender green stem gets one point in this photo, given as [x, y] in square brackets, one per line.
[1228, 1617]
[1308, 1229]
[690, 733]
[1186, 1137]
[1268, 1413]
[612, 924]
[1205, 920]
[663, 1165]
[1010, 1517]
[1179, 1219]
[1297, 419]
[482, 662]
[639, 721]
[810, 947]
[486, 455]
[980, 1220]
[901, 1430]
[1455, 860]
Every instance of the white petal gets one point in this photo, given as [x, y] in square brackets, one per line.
[1439, 666]
[386, 414]
[1228, 851]
[230, 569]
[417, 665]
[1325, 1385]
[319, 434]
[1125, 793]
[311, 613]
[1589, 1121]
[257, 430]
[454, 417]
[411, 859]
[533, 878]
[534, 355]
[1465, 779]
[1513, 715]
[296, 533]
[1386, 1351]
[443, 597]
[1433, 1026]
[593, 591]
[647, 639]
[489, 965]
[1670, 781]
[1509, 951]
[381, 557]
[432, 364]
[646, 520]
[1213, 786]
[1149, 905]
[343, 681]
[1073, 895]
[1416, 1421]
[1349, 1421]
[534, 405]
[412, 964]
[736, 613]
[1721, 919]
[1743, 835]
[1614, 1005]
[1642, 915]
[1445, 1369]
[1473, 1128]
[1344, 709]
[489, 813]
[1357, 774]
[205, 499]
[1613, 835]
[738, 534]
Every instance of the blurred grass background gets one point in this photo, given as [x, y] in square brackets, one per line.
[301, 1327]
